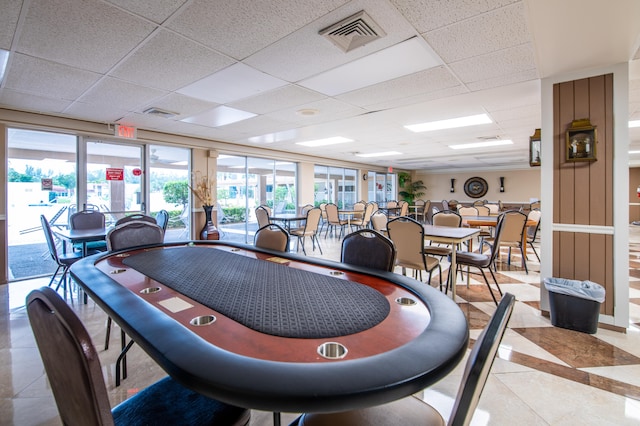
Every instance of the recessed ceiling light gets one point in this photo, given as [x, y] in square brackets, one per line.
[632, 123]
[379, 154]
[452, 123]
[327, 141]
[482, 144]
[306, 112]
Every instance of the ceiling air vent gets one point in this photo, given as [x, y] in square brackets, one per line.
[353, 32]
[159, 112]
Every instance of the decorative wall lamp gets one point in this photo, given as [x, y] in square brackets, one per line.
[453, 183]
[501, 183]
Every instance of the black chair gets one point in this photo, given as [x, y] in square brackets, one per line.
[413, 411]
[136, 216]
[483, 261]
[368, 248]
[63, 261]
[73, 368]
[89, 219]
[272, 237]
[129, 234]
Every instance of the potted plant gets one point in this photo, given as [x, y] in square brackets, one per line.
[411, 190]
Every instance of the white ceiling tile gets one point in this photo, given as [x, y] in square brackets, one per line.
[29, 102]
[169, 61]
[427, 15]
[328, 109]
[182, 105]
[127, 96]
[88, 35]
[496, 64]
[418, 83]
[242, 27]
[231, 84]
[304, 53]
[402, 59]
[103, 113]
[492, 31]
[8, 21]
[157, 10]
[284, 97]
[503, 80]
[37, 76]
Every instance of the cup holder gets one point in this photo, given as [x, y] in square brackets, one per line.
[406, 301]
[118, 271]
[122, 255]
[235, 249]
[203, 320]
[150, 290]
[332, 350]
[336, 273]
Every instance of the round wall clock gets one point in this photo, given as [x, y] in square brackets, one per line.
[475, 187]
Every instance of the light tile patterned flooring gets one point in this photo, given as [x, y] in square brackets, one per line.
[543, 375]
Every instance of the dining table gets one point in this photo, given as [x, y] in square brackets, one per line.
[288, 218]
[277, 331]
[80, 236]
[492, 221]
[453, 237]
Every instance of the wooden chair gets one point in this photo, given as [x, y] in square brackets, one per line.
[412, 410]
[368, 248]
[73, 368]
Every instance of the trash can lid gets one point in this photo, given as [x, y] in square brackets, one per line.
[582, 289]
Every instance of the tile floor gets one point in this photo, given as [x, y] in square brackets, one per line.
[543, 375]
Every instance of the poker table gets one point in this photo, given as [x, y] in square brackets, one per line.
[276, 331]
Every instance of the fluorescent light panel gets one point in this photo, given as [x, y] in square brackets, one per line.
[402, 59]
[379, 154]
[324, 142]
[219, 116]
[482, 144]
[4, 58]
[451, 123]
[634, 152]
[632, 123]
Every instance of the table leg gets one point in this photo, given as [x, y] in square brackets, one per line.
[452, 272]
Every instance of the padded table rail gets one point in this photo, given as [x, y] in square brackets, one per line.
[263, 295]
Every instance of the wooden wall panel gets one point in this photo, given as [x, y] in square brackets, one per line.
[583, 190]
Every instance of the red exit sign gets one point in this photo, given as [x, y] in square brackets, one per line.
[126, 132]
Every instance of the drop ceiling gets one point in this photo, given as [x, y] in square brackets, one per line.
[260, 73]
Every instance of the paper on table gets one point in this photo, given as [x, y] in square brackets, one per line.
[175, 304]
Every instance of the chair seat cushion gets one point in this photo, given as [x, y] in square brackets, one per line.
[167, 402]
[472, 259]
[437, 250]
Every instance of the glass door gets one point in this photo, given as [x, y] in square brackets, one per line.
[114, 179]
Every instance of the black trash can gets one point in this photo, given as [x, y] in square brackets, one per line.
[574, 304]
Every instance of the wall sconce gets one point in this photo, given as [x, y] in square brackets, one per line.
[453, 182]
[501, 183]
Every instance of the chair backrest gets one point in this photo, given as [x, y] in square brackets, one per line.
[369, 249]
[534, 215]
[368, 211]
[407, 235]
[137, 216]
[323, 210]
[272, 237]
[87, 219]
[332, 213]
[375, 206]
[483, 210]
[162, 219]
[266, 207]
[535, 205]
[53, 250]
[392, 204]
[447, 218]
[478, 203]
[304, 209]
[70, 360]
[445, 205]
[134, 234]
[480, 362]
[379, 221]
[419, 202]
[404, 208]
[468, 211]
[313, 220]
[358, 208]
[493, 208]
[262, 216]
[514, 225]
